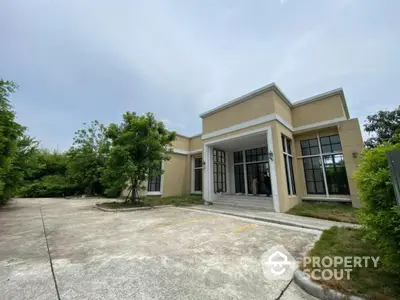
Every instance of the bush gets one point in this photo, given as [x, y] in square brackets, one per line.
[50, 186]
[379, 214]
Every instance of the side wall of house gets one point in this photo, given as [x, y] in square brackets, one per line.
[286, 201]
[176, 176]
[352, 145]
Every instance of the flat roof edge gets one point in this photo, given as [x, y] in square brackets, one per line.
[266, 88]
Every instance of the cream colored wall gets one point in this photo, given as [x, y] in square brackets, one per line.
[181, 142]
[282, 108]
[286, 201]
[253, 108]
[318, 111]
[196, 143]
[352, 145]
[176, 176]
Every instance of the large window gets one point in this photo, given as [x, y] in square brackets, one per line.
[256, 154]
[324, 168]
[198, 174]
[154, 180]
[219, 171]
[288, 158]
[336, 176]
[314, 177]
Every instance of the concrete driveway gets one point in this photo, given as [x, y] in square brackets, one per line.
[166, 253]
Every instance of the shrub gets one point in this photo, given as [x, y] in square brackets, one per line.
[379, 214]
[50, 186]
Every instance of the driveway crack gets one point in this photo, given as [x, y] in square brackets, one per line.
[48, 252]
[284, 290]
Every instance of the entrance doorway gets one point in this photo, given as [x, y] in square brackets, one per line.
[260, 172]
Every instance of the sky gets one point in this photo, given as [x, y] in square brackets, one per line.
[76, 61]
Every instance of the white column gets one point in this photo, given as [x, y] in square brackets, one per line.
[246, 188]
[272, 170]
[206, 167]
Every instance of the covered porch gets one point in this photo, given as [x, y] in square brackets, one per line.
[240, 171]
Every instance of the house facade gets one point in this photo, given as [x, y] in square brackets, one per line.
[261, 150]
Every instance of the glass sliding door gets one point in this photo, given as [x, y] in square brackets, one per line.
[260, 173]
[252, 164]
[239, 179]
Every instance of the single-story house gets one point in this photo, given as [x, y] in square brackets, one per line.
[262, 150]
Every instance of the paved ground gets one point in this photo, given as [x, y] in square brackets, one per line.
[292, 220]
[167, 253]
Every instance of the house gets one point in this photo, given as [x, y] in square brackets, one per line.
[261, 150]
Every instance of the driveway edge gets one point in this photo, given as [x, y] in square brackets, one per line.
[317, 290]
[263, 219]
[129, 209]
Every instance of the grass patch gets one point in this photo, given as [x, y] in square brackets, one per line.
[155, 201]
[175, 200]
[369, 282]
[342, 212]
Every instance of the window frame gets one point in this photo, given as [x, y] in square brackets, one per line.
[159, 178]
[287, 147]
[322, 157]
[195, 170]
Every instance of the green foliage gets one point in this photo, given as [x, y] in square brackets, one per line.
[138, 144]
[86, 159]
[379, 212]
[49, 186]
[383, 126]
[11, 139]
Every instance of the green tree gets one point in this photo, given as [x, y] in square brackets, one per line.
[138, 144]
[382, 126]
[10, 138]
[86, 159]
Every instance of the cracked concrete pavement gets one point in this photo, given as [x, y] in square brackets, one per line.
[166, 253]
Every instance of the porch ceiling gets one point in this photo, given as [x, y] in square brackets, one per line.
[247, 141]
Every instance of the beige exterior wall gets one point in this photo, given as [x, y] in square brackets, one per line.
[176, 176]
[286, 201]
[318, 111]
[181, 142]
[196, 143]
[256, 107]
[282, 109]
[352, 145]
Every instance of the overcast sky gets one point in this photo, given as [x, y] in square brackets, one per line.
[77, 61]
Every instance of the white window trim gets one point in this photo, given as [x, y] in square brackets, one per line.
[157, 193]
[290, 170]
[192, 191]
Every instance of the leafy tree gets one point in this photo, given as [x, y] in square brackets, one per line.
[86, 159]
[10, 139]
[383, 126]
[138, 144]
